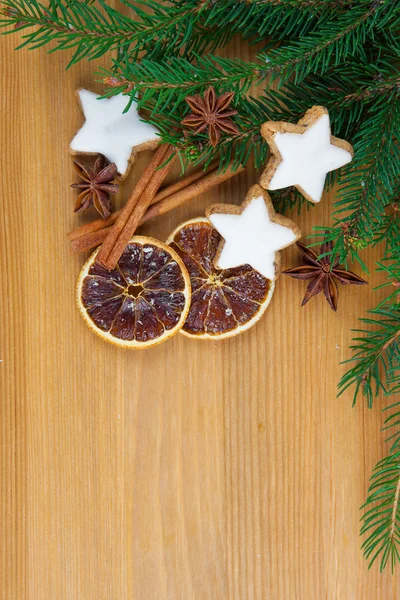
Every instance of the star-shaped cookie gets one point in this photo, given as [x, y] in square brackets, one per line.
[253, 233]
[303, 154]
[109, 131]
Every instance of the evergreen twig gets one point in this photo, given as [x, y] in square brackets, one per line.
[381, 520]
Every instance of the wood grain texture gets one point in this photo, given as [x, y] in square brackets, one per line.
[192, 471]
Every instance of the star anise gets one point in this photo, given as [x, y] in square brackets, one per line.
[211, 113]
[96, 186]
[322, 273]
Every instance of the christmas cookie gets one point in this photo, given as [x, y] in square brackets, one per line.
[109, 131]
[252, 233]
[303, 154]
[142, 302]
[225, 302]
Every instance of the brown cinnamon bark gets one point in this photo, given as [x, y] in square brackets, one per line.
[100, 224]
[208, 181]
[92, 234]
[131, 215]
[182, 183]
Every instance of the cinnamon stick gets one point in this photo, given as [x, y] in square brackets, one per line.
[182, 184]
[100, 224]
[132, 213]
[197, 188]
[92, 234]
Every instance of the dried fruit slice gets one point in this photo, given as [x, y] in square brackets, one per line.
[224, 302]
[143, 301]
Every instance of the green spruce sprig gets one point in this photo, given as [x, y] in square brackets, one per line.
[381, 519]
[185, 26]
[92, 30]
[331, 43]
[375, 354]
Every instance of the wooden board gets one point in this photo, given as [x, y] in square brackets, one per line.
[193, 471]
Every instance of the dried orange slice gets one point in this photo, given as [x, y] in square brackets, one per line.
[142, 302]
[224, 302]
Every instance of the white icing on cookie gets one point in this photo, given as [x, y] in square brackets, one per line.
[109, 131]
[307, 158]
[251, 238]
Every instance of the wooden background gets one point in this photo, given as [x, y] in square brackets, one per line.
[192, 471]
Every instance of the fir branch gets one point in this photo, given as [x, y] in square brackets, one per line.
[390, 266]
[346, 92]
[178, 75]
[390, 232]
[93, 31]
[331, 43]
[392, 423]
[377, 355]
[377, 349]
[320, 4]
[70, 24]
[392, 84]
[188, 26]
[368, 185]
[381, 521]
[395, 389]
[258, 20]
[175, 78]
